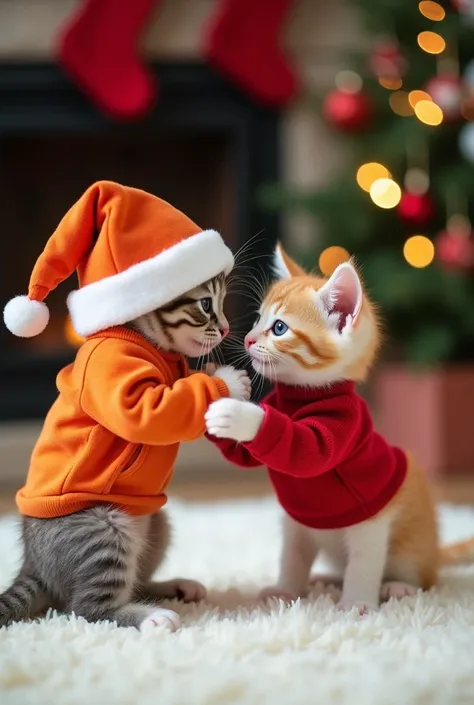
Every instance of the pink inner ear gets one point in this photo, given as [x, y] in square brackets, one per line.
[343, 294]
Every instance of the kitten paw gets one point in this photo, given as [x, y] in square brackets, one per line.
[187, 590]
[276, 593]
[361, 607]
[161, 618]
[229, 418]
[237, 382]
[397, 589]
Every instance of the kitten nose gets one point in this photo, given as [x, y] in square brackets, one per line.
[225, 331]
[249, 342]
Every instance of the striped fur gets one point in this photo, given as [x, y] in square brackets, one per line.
[194, 324]
[312, 332]
[96, 563]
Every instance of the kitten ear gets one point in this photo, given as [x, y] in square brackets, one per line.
[283, 266]
[341, 296]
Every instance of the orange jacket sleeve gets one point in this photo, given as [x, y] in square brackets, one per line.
[128, 395]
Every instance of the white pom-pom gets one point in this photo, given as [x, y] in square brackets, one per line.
[24, 317]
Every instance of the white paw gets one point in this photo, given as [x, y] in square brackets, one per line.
[229, 418]
[357, 605]
[274, 592]
[237, 382]
[161, 618]
[187, 590]
[397, 589]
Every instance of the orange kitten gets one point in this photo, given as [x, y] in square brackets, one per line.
[345, 490]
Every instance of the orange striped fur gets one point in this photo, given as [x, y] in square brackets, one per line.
[332, 333]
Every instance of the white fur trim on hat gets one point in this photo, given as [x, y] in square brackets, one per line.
[25, 317]
[150, 284]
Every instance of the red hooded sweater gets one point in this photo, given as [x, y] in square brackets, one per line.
[328, 465]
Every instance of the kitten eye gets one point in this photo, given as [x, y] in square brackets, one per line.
[279, 328]
[206, 304]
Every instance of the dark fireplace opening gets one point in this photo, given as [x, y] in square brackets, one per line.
[206, 149]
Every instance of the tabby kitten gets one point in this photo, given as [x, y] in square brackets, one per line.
[99, 562]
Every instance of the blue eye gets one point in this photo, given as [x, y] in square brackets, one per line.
[206, 304]
[279, 328]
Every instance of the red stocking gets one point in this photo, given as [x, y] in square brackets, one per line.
[98, 49]
[243, 45]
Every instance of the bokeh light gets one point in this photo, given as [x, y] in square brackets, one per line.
[431, 42]
[332, 257]
[348, 82]
[400, 104]
[415, 96]
[417, 181]
[432, 10]
[385, 193]
[392, 84]
[419, 251]
[370, 172]
[428, 112]
[73, 338]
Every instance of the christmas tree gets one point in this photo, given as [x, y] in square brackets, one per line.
[403, 203]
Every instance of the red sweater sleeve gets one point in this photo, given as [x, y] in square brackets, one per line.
[235, 452]
[306, 447]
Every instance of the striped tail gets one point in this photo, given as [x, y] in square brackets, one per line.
[22, 600]
[459, 553]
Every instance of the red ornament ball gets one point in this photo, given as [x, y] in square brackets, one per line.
[455, 249]
[346, 111]
[386, 60]
[447, 92]
[415, 209]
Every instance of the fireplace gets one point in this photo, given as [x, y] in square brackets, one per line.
[205, 148]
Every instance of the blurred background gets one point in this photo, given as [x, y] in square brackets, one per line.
[346, 129]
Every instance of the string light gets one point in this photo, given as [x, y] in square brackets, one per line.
[400, 105]
[432, 10]
[431, 42]
[414, 97]
[370, 172]
[419, 251]
[332, 257]
[429, 113]
[392, 84]
[385, 193]
[73, 338]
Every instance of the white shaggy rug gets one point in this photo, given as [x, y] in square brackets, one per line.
[230, 650]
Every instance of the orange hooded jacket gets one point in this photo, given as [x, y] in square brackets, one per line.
[113, 433]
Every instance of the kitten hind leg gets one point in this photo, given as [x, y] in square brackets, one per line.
[158, 538]
[298, 553]
[23, 599]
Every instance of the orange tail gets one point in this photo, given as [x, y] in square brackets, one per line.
[458, 553]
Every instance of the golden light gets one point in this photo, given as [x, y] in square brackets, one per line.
[414, 97]
[370, 172]
[400, 104]
[385, 193]
[348, 82]
[419, 251]
[428, 112]
[431, 42]
[432, 10]
[332, 257]
[392, 84]
[71, 336]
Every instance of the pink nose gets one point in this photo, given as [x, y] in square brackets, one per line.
[225, 332]
[249, 342]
